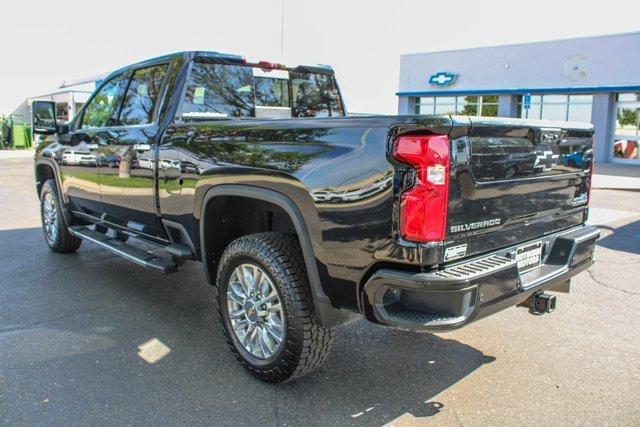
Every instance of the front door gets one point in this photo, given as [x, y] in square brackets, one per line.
[80, 148]
[127, 159]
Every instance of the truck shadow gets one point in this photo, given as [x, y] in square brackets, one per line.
[623, 239]
[71, 326]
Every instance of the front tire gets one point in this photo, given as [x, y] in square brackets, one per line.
[266, 308]
[54, 227]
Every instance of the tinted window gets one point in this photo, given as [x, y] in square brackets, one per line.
[216, 90]
[100, 110]
[141, 96]
[314, 95]
[220, 90]
[272, 92]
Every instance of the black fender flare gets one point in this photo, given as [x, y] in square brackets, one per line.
[327, 315]
[62, 199]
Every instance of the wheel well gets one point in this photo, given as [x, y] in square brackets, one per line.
[229, 217]
[43, 174]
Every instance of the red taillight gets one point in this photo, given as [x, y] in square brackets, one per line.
[423, 207]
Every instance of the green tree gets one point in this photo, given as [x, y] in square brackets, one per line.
[628, 116]
[5, 126]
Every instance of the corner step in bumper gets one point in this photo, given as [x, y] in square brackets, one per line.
[131, 253]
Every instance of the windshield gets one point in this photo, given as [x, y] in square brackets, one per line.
[222, 91]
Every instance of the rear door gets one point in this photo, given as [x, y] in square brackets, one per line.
[127, 154]
[517, 180]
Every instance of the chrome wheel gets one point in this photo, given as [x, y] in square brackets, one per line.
[50, 217]
[255, 311]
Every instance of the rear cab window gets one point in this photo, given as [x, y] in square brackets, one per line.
[219, 91]
[315, 95]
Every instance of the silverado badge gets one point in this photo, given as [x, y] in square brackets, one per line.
[474, 225]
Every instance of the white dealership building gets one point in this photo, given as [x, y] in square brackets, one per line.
[592, 79]
[68, 98]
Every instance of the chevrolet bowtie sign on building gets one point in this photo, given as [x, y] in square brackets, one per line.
[442, 78]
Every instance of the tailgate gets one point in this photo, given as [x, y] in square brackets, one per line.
[516, 180]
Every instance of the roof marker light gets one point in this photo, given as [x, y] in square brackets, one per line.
[271, 65]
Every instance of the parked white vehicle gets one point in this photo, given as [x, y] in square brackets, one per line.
[74, 157]
[163, 164]
[146, 163]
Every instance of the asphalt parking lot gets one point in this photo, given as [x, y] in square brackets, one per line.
[71, 327]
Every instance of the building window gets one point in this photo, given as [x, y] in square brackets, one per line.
[62, 112]
[627, 127]
[485, 105]
[574, 108]
[628, 97]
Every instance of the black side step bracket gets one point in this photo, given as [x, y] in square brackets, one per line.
[179, 252]
[131, 253]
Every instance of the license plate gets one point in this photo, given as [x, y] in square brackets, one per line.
[529, 256]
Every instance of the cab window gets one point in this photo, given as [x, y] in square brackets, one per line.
[100, 112]
[216, 90]
[315, 95]
[142, 95]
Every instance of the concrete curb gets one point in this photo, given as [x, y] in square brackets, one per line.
[612, 182]
[616, 188]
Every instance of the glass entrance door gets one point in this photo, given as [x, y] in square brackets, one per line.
[626, 139]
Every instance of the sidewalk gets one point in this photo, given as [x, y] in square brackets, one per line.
[16, 154]
[617, 176]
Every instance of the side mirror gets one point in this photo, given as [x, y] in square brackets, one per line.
[43, 117]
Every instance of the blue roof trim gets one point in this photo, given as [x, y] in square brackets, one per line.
[521, 91]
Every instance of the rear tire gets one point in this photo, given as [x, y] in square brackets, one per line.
[56, 233]
[304, 343]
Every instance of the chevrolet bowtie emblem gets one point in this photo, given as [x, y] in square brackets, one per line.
[442, 78]
[546, 160]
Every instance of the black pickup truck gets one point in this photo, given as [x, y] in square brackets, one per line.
[303, 217]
